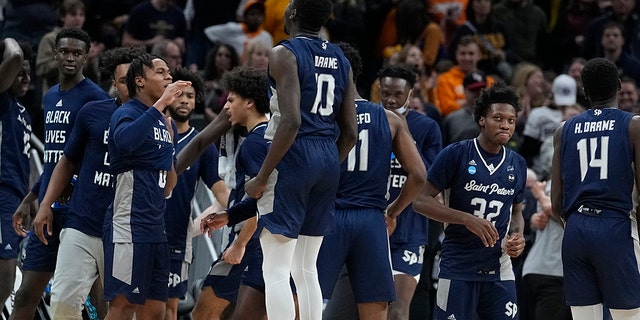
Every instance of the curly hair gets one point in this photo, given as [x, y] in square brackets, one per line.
[117, 56]
[498, 93]
[74, 33]
[600, 79]
[398, 71]
[353, 56]
[196, 81]
[210, 70]
[249, 84]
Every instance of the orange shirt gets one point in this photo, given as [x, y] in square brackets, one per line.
[274, 19]
[450, 92]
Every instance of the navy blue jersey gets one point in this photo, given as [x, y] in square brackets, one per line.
[178, 215]
[588, 177]
[60, 110]
[141, 153]
[14, 145]
[363, 177]
[485, 185]
[324, 74]
[87, 147]
[413, 227]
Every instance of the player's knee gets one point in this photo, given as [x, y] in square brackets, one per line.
[26, 298]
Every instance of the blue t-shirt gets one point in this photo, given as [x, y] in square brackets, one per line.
[141, 154]
[323, 72]
[178, 214]
[364, 175]
[588, 177]
[14, 145]
[412, 227]
[485, 185]
[60, 110]
[95, 186]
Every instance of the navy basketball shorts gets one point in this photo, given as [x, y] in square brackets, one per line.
[484, 300]
[359, 240]
[407, 258]
[9, 239]
[300, 194]
[138, 271]
[40, 257]
[178, 278]
[600, 256]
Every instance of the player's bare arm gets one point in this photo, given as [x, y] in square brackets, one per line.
[515, 237]
[212, 132]
[235, 252]
[11, 63]
[25, 211]
[60, 177]
[427, 205]
[283, 68]
[347, 121]
[556, 175]
[407, 153]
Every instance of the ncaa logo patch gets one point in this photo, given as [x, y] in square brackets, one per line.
[471, 170]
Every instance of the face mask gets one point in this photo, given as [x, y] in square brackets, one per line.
[402, 110]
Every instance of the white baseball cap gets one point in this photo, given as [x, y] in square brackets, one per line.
[564, 90]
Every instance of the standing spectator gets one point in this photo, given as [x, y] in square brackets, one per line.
[543, 121]
[494, 39]
[152, 21]
[409, 239]
[622, 11]
[533, 90]
[61, 105]
[594, 197]
[460, 124]
[80, 259]
[484, 216]
[310, 79]
[14, 155]
[527, 24]
[613, 46]
[141, 158]
[628, 95]
[450, 92]
[273, 22]
[236, 34]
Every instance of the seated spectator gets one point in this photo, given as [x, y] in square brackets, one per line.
[256, 54]
[613, 45]
[628, 95]
[460, 124]
[220, 59]
[449, 88]
[168, 50]
[152, 21]
[237, 34]
[622, 11]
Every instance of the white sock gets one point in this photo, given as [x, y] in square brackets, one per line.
[625, 314]
[592, 312]
[305, 276]
[278, 253]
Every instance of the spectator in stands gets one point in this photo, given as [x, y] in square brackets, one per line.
[221, 58]
[628, 95]
[460, 124]
[256, 55]
[527, 23]
[152, 21]
[532, 88]
[168, 50]
[574, 69]
[236, 34]
[622, 11]
[613, 41]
